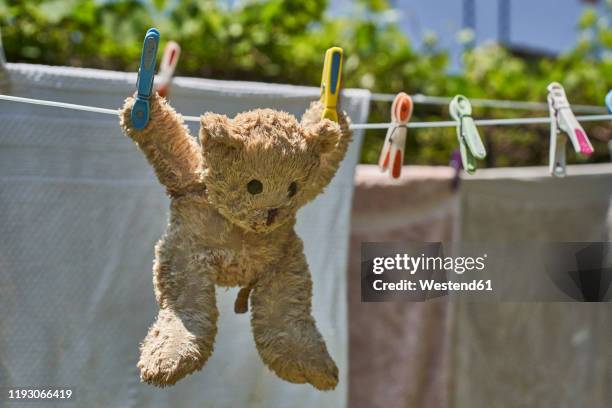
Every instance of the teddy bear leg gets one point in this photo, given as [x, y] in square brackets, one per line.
[285, 333]
[181, 339]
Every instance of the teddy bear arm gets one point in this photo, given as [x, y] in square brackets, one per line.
[312, 115]
[166, 143]
[329, 161]
[182, 338]
[284, 330]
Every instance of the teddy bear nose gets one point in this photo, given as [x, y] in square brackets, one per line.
[272, 212]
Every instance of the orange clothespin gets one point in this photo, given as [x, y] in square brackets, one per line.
[395, 141]
[168, 64]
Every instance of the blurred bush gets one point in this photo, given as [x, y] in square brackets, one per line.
[284, 41]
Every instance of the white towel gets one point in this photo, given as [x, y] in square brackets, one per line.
[80, 212]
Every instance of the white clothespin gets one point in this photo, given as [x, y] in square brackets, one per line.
[395, 141]
[168, 64]
[562, 120]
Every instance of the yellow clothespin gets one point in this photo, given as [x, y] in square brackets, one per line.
[330, 83]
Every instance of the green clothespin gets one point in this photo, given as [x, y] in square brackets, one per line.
[470, 145]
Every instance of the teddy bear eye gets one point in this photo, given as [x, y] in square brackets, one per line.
[292, 189]
[254, 187]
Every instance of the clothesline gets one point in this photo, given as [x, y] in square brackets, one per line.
[489, 103]
[356, 126]
[481, 122]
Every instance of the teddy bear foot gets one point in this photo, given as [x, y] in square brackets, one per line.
[320, 372]
[169, 353]
[162, 373]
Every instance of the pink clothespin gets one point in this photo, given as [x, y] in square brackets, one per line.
[562, 120]
[168, 64]
[395, 141]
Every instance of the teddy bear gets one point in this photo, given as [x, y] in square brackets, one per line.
[233, 203]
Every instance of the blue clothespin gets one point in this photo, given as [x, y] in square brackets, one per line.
[470, 145]
[146, 74]
[609, 101]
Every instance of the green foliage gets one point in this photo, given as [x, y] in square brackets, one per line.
[284, 41]
[73, 32]
[585, 72]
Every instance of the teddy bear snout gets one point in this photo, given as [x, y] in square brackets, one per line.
[272, 213]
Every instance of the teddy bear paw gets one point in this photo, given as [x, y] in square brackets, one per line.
[168, 354]
[161, 369]
[321, 372]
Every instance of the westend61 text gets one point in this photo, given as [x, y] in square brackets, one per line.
[431, 285]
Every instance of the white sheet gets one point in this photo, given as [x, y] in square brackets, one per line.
[80, 212]
[533, 354]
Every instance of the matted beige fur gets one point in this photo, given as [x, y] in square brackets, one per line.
[233, 206]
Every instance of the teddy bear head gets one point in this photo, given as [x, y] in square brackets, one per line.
[261, 166]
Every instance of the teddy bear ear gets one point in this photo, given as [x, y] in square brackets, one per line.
[323, 136]
[217, 129]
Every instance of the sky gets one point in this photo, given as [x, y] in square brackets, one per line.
[548, 25]
[545, 24]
